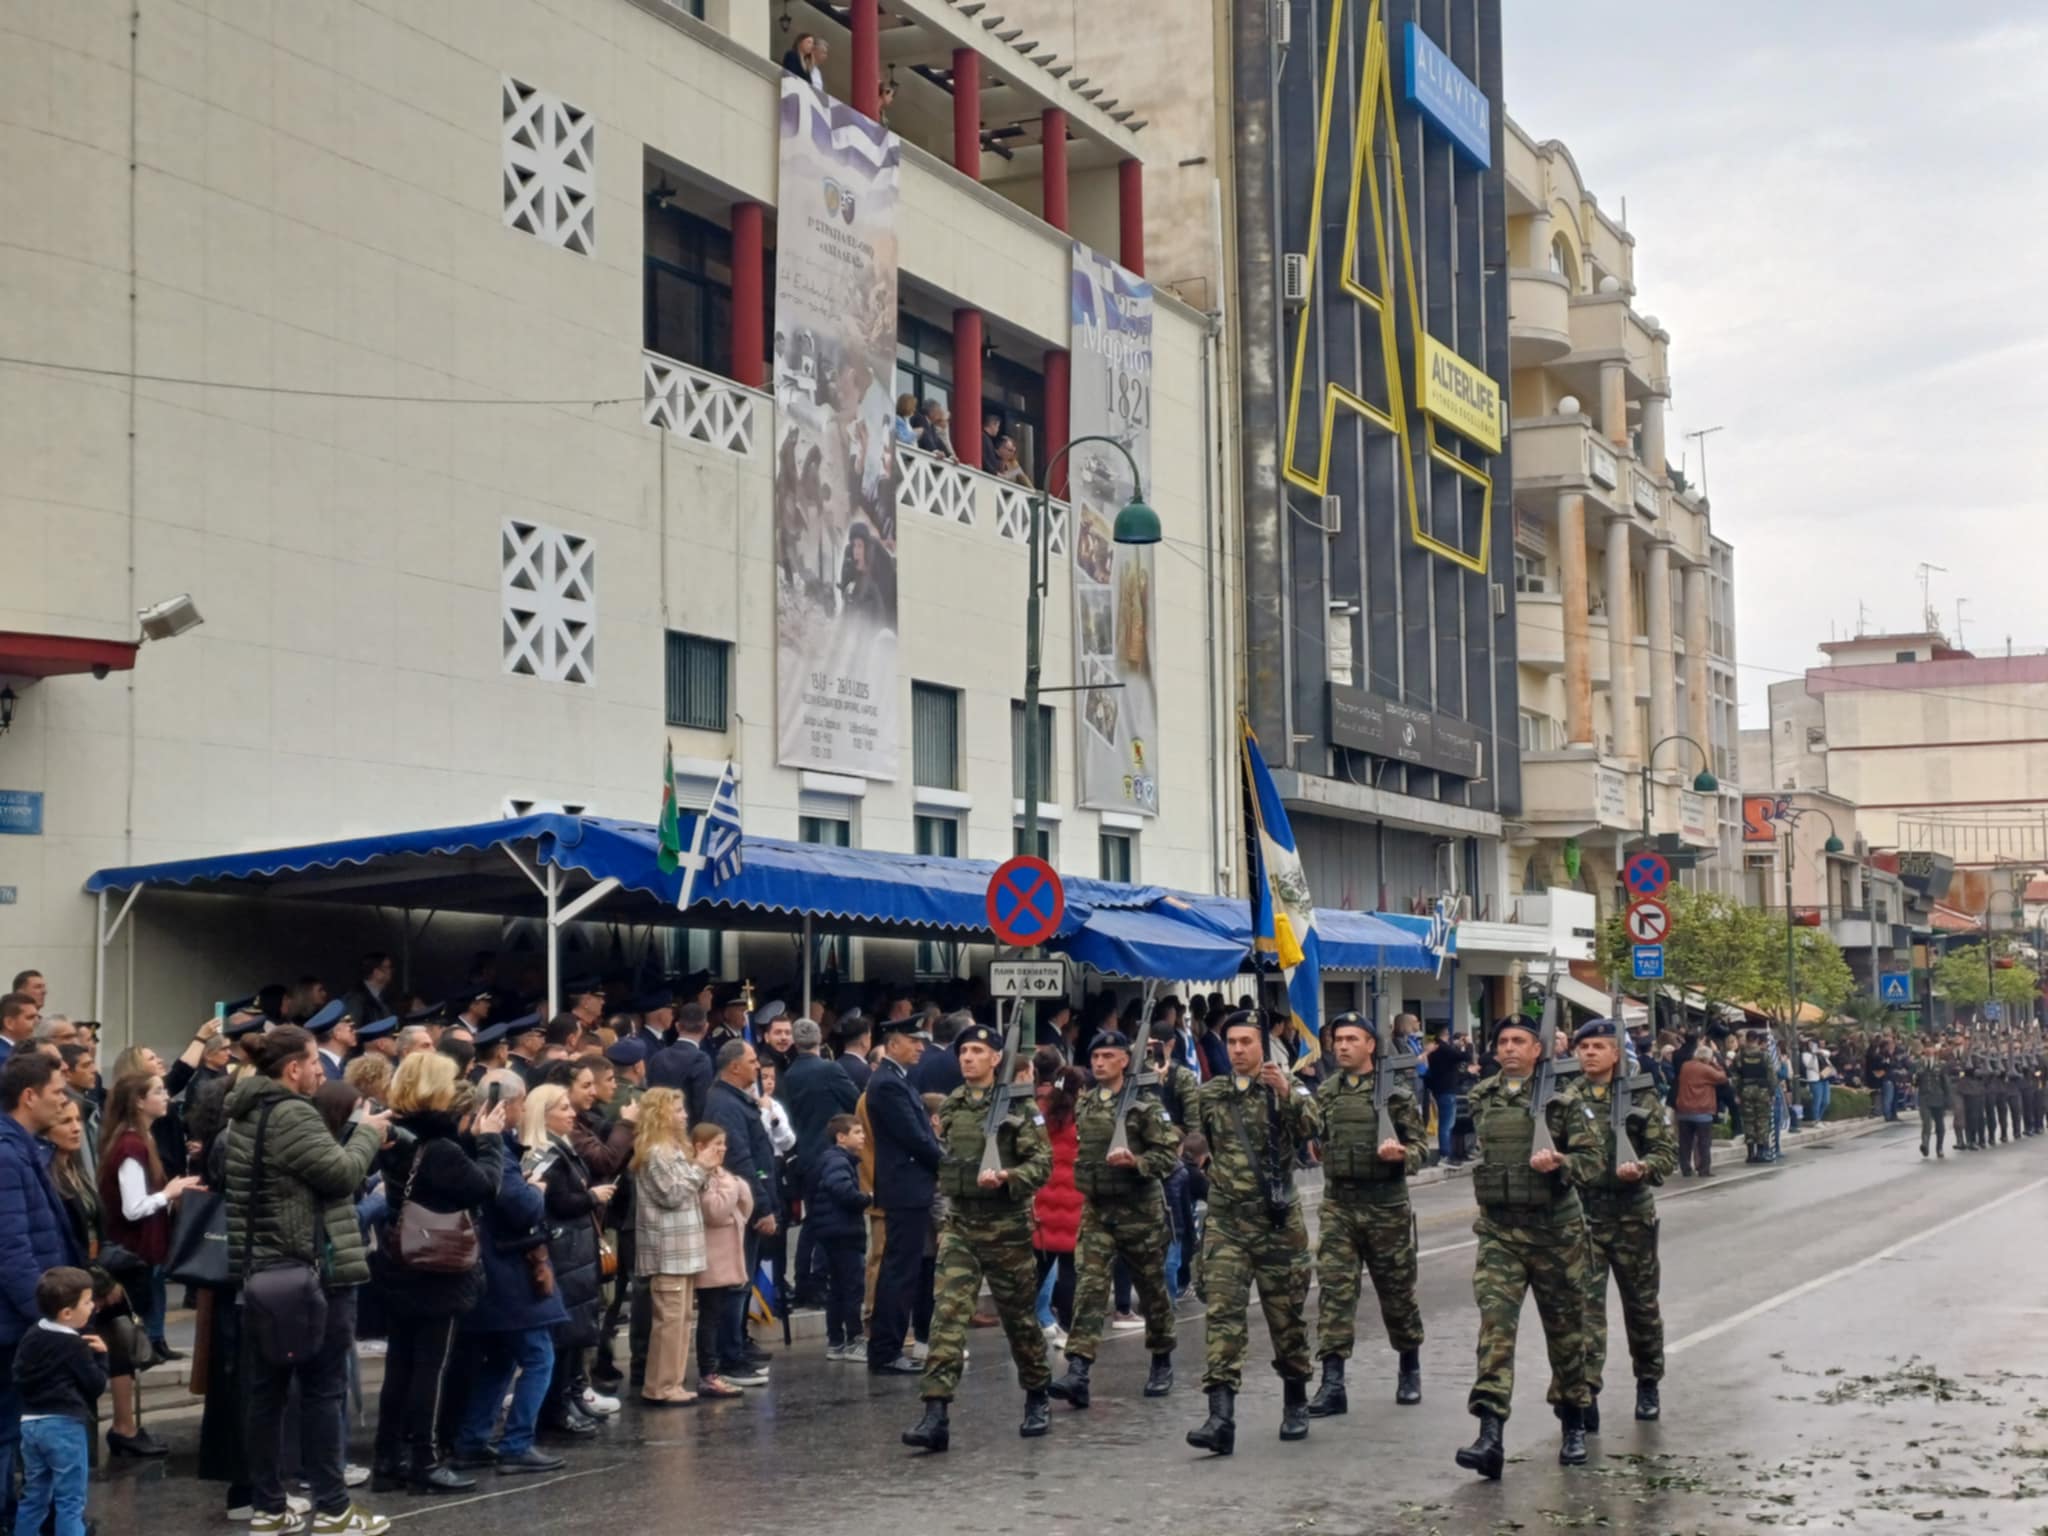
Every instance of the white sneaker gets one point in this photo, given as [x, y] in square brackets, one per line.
[1055, 1335]
[373, 1349]
[1124, 1322]
[856, 1352]
[290, 1523]
[354, 1476]
[353, 1521]
[596, 1402]
[835, 1351]
[243, 1513]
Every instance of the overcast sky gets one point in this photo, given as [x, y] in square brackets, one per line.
[1841, 217]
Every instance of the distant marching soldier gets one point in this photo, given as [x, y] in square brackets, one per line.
[1933, 1092]
[1970, 1090]
[987, 1232]
[2008, 1092]
[2031, 1082]
[1532, 1236]
[1257, 1121]
[1123, 1216]
[1366, 1217]
[1639, 1150]
[1754, 1082]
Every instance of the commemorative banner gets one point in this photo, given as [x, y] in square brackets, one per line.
[836, 472]
[1115, 636]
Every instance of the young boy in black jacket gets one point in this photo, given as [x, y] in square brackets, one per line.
[58, 1375]
[835, 1209]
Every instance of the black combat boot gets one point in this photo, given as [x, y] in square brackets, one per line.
[1073, 1387]
[1330, 1400]
[1218, 1432]
[1486, 1456]
[1648, 1406]
[1408, 1385]
[932, 1432]
[1571, 1450]
[1294, 1410]
[1037, 1414]
[1589, 1416]
[1159, 1380]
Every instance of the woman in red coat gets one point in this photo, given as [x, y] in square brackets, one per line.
[1057, 1206]
[136, 1200]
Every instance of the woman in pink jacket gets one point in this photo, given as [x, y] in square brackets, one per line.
[727, 1205]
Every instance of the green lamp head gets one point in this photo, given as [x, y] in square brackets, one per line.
[1832, 845]
[1136, 524]
[1706, 784]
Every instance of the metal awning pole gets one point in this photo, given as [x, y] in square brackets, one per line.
[807, 965]
[99, 960]
[553, 888]
[405, 949]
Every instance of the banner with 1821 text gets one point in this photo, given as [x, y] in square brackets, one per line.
[1115, 645]
[836, 471]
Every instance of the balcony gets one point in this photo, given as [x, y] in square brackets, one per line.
[1539, 316]
[699, 407]
[1564, 453]
[1539, 635]
[1853, 928]
[1605, 328]
[1566, 794]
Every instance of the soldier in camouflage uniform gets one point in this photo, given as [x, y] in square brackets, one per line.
[1931, 1090]
[1123, 1217]
[1532, 1236]
[987, 1231]
[1177, 1085]
[1621, 1220]
[1753, 1076]
[1366, 1217]
[1256, 1120]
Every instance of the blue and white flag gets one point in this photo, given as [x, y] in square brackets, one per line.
[1283, 912]
[716, 845]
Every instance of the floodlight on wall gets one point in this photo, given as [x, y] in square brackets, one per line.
[171, 617]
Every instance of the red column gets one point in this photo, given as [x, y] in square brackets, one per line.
[1054, 131]
[967, 386]
[1058, 389]
[749, 310]
[1130, 204]
[866, 22]
[967, 112]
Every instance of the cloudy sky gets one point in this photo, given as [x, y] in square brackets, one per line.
[1841, 216]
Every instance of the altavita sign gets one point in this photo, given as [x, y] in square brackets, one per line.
[1444, 94]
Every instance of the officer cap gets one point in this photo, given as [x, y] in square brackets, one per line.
[912, 1026]
[241, 1027]
[327, 1017]
[378, 1029]
[1350, 1020]
[431, 1013]
[624, 1053]
[491, 1034]
[1112, 1040]
[727, 995]
[526, 1023]
[769, 1012]
[582, 986]
[655, 999]
[978, 1034]
[1594, 1029]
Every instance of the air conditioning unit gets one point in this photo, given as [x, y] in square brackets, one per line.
[1283, 22]
[1500, 600]
[1333, 515]
[1294, 279]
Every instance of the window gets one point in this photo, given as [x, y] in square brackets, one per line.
[697, 679]
[924, 365]
[831, 831]
[1904, 656]
[829, 951]
[1539, 732]
[1530, 574]
[1562, 262]
[1115, 853]
[1046, 795]
[935, 737]
[1044, 848]
[687, 292]
[937, 837]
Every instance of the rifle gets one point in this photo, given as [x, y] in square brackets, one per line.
[1000, 1096]
[1544, 1081]
[1141, 1074]
[1622, 1091]
[1388, 1061]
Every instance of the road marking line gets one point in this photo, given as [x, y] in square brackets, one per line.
[1805, 1288]
[518, 1485]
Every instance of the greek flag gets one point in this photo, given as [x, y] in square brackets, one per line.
[716, 844]
[1283, 912]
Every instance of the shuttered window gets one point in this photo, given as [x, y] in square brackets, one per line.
[697, 675]
[935, 735]
[1046, 794]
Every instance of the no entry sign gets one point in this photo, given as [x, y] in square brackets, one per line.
[1025, 901]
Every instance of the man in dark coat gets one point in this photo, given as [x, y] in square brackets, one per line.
[938, 1071]
[855, 1034]
[813, 1089]
[907, 1158]
[685, 1066]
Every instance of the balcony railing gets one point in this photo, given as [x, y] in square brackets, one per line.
[935, 488]
[698, 406]
[1013, 516]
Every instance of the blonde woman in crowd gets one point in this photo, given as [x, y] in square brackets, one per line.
[670, 1175]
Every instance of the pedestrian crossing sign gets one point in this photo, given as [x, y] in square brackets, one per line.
[1895, 987]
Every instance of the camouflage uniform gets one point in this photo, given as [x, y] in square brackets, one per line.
[1176, 1090]
[1931, 1090]
[1532, 1236]
[1123, 1217]
[1621, 1231]
[1242, 1241]
[1754, 1076]
[1366, 1217]
[987, 1232]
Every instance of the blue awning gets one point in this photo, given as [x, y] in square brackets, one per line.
[1351, 941]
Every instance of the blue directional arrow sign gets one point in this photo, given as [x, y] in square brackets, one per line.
[1895, 987]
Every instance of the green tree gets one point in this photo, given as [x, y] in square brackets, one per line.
[1715, 949]
[1962, 977]
[1818, 975]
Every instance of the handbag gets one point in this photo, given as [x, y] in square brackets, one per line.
[607, 1250]
[199, 1241]
[284, 1306]
[433, 1242]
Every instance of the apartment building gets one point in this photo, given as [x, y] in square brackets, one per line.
[445, 392]
[1624, 595]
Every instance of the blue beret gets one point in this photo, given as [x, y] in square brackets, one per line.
[978, 1034]
[1595, 1029]
[1111, 1040]
[623, 1053]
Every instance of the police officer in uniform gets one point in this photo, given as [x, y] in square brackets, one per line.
[1754, 1082]
[1366, 1217]
[987, 1232]
[1123, 1216]
[1621, 1220]
[1256, 1120]
[1532, 1236]
[1931, 1090]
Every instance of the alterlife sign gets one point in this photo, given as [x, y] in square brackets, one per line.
[1442, 93]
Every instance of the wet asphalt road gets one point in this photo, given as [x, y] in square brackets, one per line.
[1856, 1342]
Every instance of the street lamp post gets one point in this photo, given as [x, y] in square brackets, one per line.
[1990, 976]
[1703, 783]
[1832, 845]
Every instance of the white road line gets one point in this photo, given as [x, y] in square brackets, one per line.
[1806, 1288]
[512, 1485]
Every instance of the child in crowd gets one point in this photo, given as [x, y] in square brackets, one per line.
[836, 1207]
[59, 1373]
[727, 1206]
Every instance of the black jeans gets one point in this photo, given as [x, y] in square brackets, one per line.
[896, 1287]
[713, 1305]
[415, 1375]
[323, 1386]
[846, 1265]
